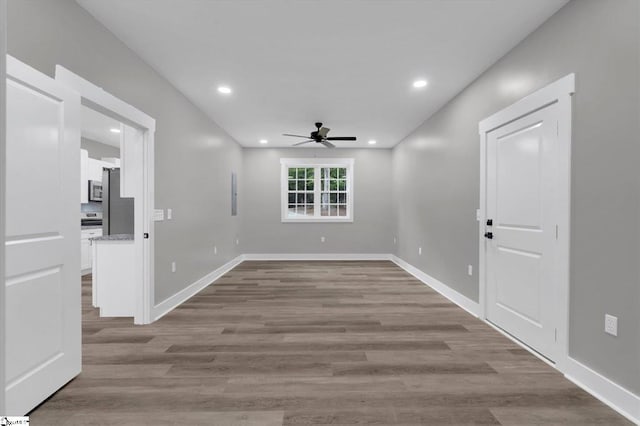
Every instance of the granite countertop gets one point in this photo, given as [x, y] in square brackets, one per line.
[114, 237]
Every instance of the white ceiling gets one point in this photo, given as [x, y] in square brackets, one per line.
[349, 64]
[97, 127]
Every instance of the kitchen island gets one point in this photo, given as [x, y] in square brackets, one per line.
[113, 275]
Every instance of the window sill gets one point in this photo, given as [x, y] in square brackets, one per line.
[318, 220]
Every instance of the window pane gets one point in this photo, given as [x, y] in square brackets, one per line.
[332, 201]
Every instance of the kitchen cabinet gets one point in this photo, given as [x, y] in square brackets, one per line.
[86, 252]
[113, 278]
[95, 168]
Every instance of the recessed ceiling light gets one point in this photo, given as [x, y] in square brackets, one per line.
[114, 130]
[224, 90]
[419, 83]
[372, 142]
[263, 141]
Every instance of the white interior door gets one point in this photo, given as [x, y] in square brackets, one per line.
[521, 202]
[43, 329]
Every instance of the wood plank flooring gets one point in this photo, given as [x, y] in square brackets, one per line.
[309, 343]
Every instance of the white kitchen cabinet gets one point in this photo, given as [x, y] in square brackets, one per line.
[95, 169]
[113, 280]
[84, 176]
[86, 252]
[113, 161]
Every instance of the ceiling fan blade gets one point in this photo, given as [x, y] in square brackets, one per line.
[328, 144]
[302, 143]
[342, 138]
[323, 131]
[295, 136]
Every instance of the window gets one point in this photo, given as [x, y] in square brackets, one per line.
[317, 189]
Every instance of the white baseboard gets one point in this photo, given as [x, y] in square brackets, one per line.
[615, 396]
[458, 298]
[166, 306]
[317, 256]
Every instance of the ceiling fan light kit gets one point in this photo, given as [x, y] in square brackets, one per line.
[320, 136]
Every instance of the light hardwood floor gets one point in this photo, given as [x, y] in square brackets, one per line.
[298, 343]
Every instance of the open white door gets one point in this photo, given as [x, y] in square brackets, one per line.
[43, 327]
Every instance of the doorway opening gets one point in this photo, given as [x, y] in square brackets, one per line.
[120, 181]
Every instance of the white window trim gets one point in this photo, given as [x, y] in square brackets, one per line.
[315, 162]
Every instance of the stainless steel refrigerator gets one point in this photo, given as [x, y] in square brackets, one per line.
[117, 211]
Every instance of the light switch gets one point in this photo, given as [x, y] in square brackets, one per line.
[169, 214]
[158, 215]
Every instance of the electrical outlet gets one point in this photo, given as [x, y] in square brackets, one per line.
[169, 214]
[470, 270]
[420, 251]
[611, 324]
[322, 239]
[215, 249]
[173, 266]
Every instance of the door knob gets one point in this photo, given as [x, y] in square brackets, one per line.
[488, 235]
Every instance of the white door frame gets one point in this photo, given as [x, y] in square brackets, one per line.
[101, 101]
[3, 132]
[558, 92]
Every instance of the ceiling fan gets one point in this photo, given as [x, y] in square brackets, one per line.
[320, 136]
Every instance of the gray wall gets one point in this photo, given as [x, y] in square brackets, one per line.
[193, 157]
[263, 231]
[99, 150]
[599, 41]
